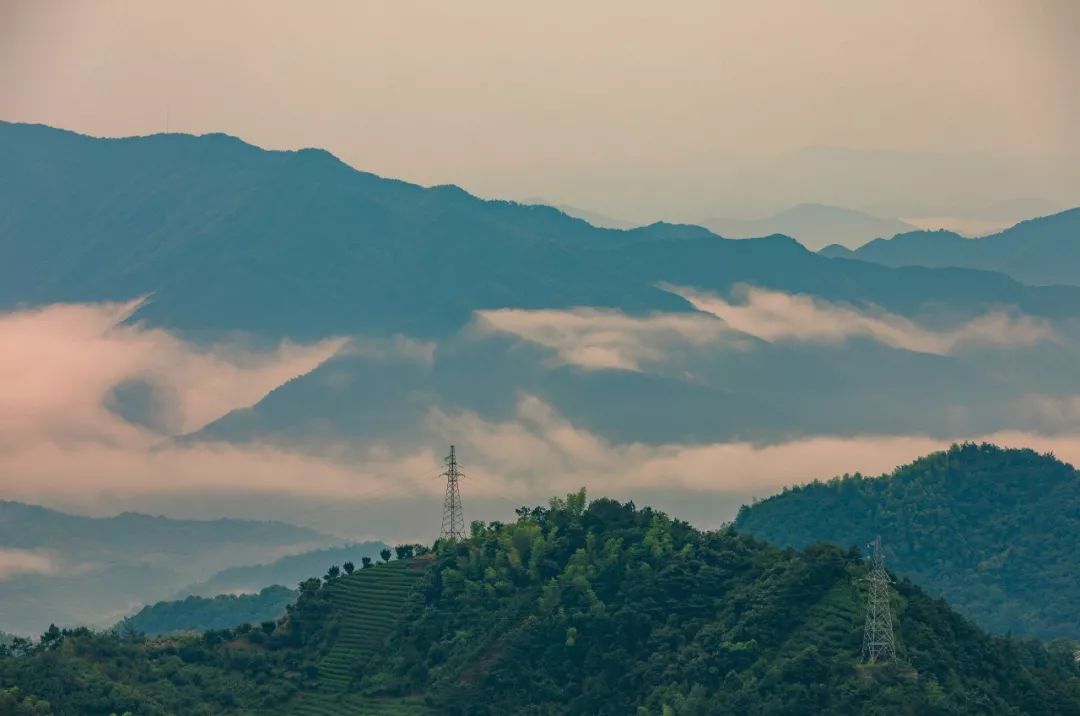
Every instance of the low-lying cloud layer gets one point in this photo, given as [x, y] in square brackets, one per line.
[608, 339]
[24, 561]
[779, 316]
[61, 442]
[61, 364]
[61, 445]
[540, 452]
[521, 460]
[599, 339]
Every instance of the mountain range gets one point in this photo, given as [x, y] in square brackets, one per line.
[226, 236]
[74, 570]
[200, 614]
[245, 594]
[1039, 252]
[461, 312]
[593, 217]
[286, 571]
[814, 225]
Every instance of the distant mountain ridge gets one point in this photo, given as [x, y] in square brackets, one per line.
[89, 570]
[593, 217]
[227, 236]
[813, 225]
[200, 614]
[224, 236]
[288, 571]
[993, 531]
[25, 525]
[1041, 251]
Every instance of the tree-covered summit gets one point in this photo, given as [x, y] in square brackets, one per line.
[994, 531]
[605, 608]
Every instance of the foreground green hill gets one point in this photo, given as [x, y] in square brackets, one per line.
[572, 609]
[614, 610]
[995, 532]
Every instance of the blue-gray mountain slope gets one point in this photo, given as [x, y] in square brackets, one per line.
[1039, 252]
[226, 236]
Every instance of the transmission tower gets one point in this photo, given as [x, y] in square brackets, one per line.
[878, 641]
[453, 519]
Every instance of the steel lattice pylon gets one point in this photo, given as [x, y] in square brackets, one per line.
[878, 641]
[453, 519]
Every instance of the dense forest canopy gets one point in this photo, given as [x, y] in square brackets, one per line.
[995, 532]
[574, 608]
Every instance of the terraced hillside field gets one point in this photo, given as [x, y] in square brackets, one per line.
[354, 705]
[369, 602]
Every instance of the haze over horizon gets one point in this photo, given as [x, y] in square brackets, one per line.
[640, 112]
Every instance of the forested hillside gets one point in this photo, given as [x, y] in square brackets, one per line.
[202, 613]
[575, 608]
[993, 531]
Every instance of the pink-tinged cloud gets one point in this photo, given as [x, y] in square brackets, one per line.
[540, 452]
[779, 316]
[522, 460]
[60, 364]
[606, 339]
[24, 561]
[601, 339]
[60, 445]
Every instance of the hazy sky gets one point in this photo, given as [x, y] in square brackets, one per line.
[638, 110]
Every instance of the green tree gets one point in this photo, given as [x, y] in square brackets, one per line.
[51, 637]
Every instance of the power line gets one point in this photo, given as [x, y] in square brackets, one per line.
[878, 641]
[453, 518]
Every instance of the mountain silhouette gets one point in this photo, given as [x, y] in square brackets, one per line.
[814, 225]
[1041, 251]
[224, 236]
[91, 570]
